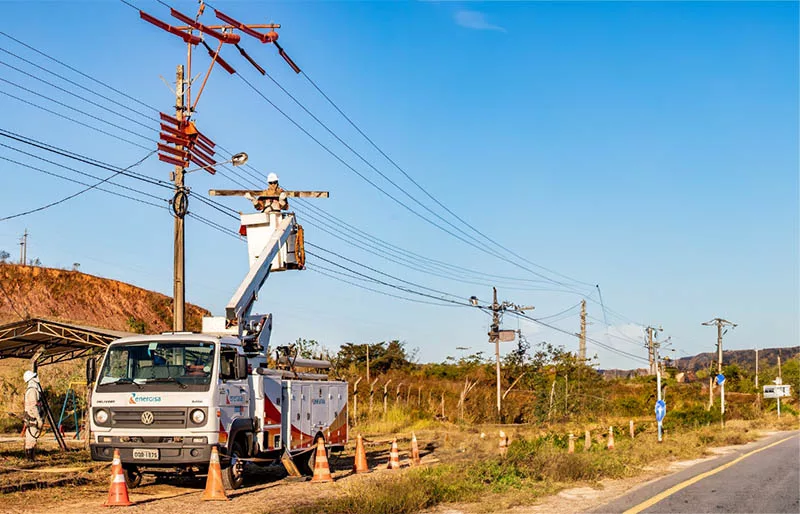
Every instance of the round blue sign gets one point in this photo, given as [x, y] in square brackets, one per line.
[720, 379]
[661, 410]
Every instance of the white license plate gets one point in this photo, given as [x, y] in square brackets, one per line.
[145, 454]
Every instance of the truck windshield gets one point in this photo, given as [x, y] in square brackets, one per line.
[157, 365]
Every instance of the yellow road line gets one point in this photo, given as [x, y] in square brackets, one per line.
[674, 489]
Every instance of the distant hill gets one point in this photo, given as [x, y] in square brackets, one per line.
[744, 358]
[75, 297]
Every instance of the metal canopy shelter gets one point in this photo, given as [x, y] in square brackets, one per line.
[53, 340]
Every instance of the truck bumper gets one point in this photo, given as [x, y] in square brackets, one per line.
[168, 454]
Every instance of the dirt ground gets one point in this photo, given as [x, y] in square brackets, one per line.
[72, 484]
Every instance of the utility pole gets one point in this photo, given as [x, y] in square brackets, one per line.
[720, 323]
[23, 248]
[582, 347]
[756, 370]
[181, 142]
[652, 348]
[367, 362]
[179, 207]
[496, 335]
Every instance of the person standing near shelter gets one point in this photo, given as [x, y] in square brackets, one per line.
[33, 412]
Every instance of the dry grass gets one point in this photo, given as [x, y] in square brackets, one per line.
[537, 464]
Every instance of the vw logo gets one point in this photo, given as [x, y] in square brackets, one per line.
[147, 417]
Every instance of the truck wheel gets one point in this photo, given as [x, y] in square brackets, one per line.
[133, 476]
[233, 473]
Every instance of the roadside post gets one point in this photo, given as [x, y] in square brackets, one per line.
[661, 411]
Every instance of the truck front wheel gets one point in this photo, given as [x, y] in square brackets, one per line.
[233, 473]
[133, 476]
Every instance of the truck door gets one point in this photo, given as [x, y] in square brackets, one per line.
[305, 416]
[234, 394]
[319, 408]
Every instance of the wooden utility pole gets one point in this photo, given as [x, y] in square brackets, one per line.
[179, 208]
[720, 323]
[582, 347]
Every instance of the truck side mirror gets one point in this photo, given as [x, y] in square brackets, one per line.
[241, 367]
[91, 371]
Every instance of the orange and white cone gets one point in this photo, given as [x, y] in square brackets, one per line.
[360, 464]
[322, 472]
[610, 438]
[571, 446]
[118, 492]
[394, 456]
[415, 460]
[214, 488]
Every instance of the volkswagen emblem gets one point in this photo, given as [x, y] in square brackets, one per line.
[147, 417]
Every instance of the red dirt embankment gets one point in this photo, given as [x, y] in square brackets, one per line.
[75, 297]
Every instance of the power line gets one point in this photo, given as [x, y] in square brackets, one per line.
[428, 194]
[93, 186]
[97, 81]
[62, 104]
[116, 193]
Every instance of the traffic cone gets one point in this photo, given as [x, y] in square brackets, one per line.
[118, 492]
[610, 438]
[322, 473]
[214, 488]
[394, 456]
[360, 464]
[415, 460]
[571, 447]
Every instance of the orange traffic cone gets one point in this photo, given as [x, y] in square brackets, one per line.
[118, 492]
[610, 438]
[360, 465]
[322, 473]
[414, 450]
[394, 456]
[214, 488]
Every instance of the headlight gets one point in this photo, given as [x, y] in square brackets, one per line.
[198, 416]
[100, 416]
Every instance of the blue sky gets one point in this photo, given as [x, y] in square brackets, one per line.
[650, 148]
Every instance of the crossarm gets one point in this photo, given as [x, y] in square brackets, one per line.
[241, 303]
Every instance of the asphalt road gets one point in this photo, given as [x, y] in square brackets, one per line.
[765, 482]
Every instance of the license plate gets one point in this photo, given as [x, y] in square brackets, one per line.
[145, 454]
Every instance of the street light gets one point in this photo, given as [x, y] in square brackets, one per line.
[237, 160]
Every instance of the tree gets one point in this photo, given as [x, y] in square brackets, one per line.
[4, 255]
[76, 266]
[382, 356]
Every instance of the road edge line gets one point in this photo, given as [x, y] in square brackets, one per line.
[686, 483]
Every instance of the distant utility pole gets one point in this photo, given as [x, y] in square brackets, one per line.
[582, 347]
[652, 348]
[23, 248]
[720, 323]
[496, 335]
[756, 370]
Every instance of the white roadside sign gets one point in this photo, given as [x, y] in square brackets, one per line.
[777, 391]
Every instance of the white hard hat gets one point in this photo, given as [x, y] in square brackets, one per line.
[28, 375]
[272, 177]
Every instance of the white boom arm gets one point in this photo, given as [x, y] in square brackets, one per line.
[278, 228]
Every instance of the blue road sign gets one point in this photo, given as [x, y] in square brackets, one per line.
[720, 379]
[661, 410]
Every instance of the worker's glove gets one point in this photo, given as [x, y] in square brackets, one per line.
[282, 197]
